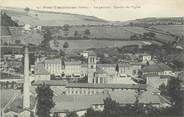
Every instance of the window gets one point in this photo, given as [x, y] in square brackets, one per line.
[92, 66]
[101, 80]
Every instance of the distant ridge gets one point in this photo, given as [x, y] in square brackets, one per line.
[50, 18]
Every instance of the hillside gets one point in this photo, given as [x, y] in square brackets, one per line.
[101, 31]
[46, 18]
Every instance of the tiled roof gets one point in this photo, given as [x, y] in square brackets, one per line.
[66, 103]
[127, 97]
[73, 63]
[90, 85]
[156, 68]
[113, 65]
[50, 83]
[116, 86]
[149, 98]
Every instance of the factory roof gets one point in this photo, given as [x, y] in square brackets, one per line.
[91, 85]
[66, 103]
[108, 86]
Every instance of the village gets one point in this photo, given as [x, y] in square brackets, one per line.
[81, 82]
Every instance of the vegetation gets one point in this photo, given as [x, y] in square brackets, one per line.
[6, 20]
[173, 90]
[83, 80]
[65, 45]
[44, 100]
[27, 9]
[72, 114]
[45, 44]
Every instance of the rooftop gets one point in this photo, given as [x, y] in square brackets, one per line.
[103, 86]
[76, 102]
[66, 103]
[53, 61]
[50, 83]
[91, 53]
[90, 85]
[156, 68]
[73, 63]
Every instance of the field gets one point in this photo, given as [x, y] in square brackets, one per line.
[174, 29]
[45, 18]
[99, 28]
[86, 44]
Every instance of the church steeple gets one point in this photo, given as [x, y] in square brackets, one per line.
[91, 66]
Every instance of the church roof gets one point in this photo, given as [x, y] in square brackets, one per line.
[91, 53]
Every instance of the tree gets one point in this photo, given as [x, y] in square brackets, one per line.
[66, 27]
[27, 9]
[72, 114]
[163, 89]
[76, 33]
[134, 37]
[117, 68]
[17, 41]
[87, 32]
[65, 45]
[174, 92]
[111, 108]
[47, 37]
[44, 100]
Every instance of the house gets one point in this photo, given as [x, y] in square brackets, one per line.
[54, 66]
[157, 69]
[145, 57]
[155, 81]
[84, 54]
[73, 68]
[27, 27]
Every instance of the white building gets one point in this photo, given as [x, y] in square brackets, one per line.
[54, 66]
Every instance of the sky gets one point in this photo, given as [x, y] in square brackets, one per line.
[113, 10]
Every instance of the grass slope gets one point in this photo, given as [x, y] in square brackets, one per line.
[45, 18]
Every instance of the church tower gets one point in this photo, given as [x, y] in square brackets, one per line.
[26, 91]
[91, 66]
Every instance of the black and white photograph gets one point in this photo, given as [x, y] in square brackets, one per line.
[92, 58]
